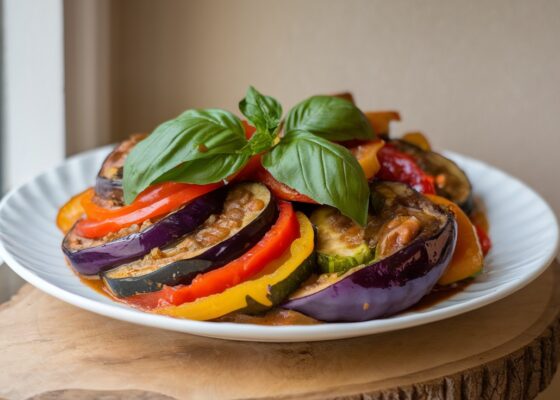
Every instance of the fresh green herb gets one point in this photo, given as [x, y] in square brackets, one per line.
[332, 118]
[322, 170]
[263, 112]
[206, 170]
[194, 135]
[206, 146]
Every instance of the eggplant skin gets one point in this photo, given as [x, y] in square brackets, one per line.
[109, 189]
[385, 287]
[178, 272]
[93, 260]
[184, 271]
[108, 183]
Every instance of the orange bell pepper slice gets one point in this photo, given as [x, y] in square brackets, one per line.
[380, 120]
[366, 154]
[468, 259]
[72, 211]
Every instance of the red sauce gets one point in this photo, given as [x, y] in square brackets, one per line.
[439, 294]
[279, 317]
[275, 317]
[95, 284]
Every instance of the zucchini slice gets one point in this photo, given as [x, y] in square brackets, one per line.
[415, 239]
[249, 211]
[340, 241]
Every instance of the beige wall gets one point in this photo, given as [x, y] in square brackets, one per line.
[479, 77]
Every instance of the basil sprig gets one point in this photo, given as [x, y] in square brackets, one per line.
[206, 146]
[322, 170]
[330, 117]
[264, 112]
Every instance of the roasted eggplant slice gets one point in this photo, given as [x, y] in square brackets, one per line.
[90, 257]
[248, 213]
[266, 290]
[413, 240]
[450, 180]
[108, 184]
[340, 241]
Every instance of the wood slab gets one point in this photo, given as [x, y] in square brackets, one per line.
[51, 350]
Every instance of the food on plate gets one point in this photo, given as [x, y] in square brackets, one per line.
[413, 240]
[316, 215]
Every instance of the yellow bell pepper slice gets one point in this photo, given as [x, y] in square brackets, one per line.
[72, 211]
[255, 290]
[417, 139]
[380, 121]
[467, 259]
[366, 154]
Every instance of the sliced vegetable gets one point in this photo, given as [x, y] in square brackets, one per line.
[346, 96]
[281, 190]
[380, 121]
[409, 261]
[72, 211]
[480, 222]
[91, 256]
[483, 239]
[154, 193]
[450, 181]
[108, 184]
[468, 258]
[249, 172]
[417, 139]
[266, 290]
[366, 154]
[340, 241]
[248, 212]
[275, 242]
[142, 210]
[397, 166]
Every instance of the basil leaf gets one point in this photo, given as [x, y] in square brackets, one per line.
[322, 170]
[259, 142]
[206, 170]
[332, 118]
[194, 135]
[264, 112]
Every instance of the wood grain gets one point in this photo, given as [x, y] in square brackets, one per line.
[508, 350]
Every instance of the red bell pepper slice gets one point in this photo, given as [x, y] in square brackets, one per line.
[281, 190]
[401, 167]
[273, 244]
[152, 194]
[148, 205]
[155, 201]
[483, 238]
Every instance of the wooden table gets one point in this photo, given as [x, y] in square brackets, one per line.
[51, 350]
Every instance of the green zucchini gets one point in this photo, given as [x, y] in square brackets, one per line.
[340, 241]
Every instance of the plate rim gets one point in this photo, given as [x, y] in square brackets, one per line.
[294, 333]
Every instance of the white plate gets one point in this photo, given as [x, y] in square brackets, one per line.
[522, 226]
